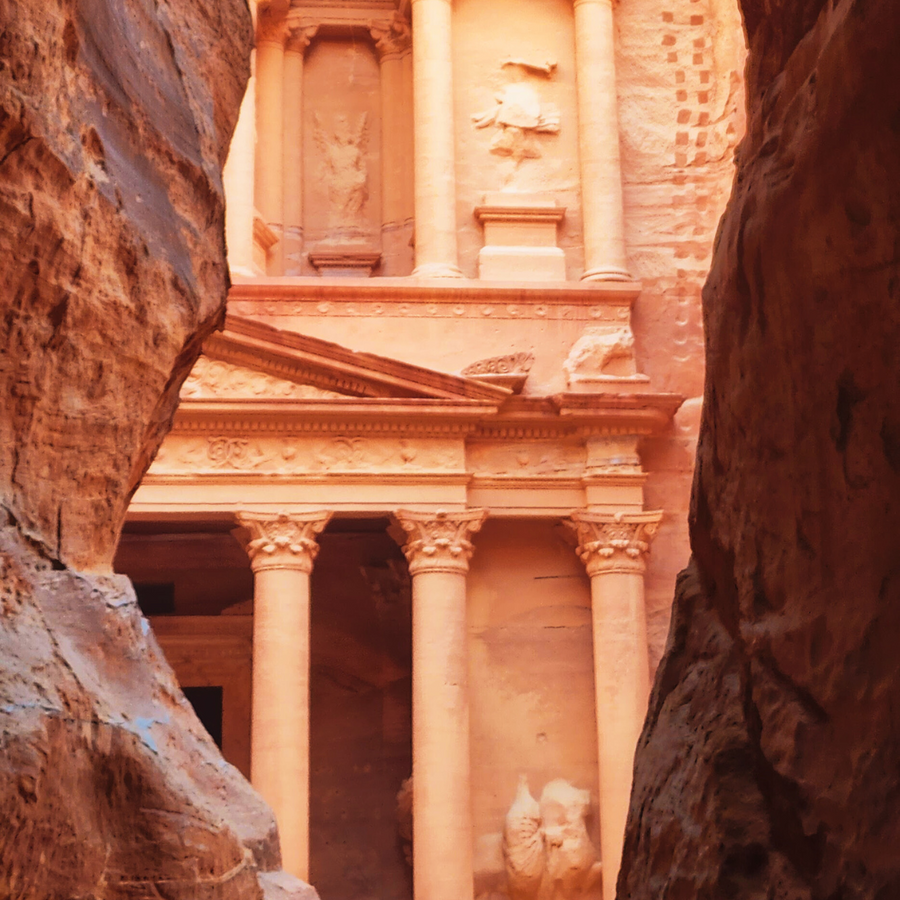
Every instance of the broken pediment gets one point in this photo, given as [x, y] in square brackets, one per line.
[250, 360]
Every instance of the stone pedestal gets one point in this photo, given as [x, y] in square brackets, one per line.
[598, 138]
[613, 549]
[520, 238]
[282, 549]
[438, 550]
[435, 173]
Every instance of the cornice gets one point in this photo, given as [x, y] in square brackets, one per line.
[464, 291]
[353, 416]
[328, 365]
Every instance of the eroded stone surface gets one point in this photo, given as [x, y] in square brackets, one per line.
[767, 767]
[114, 124]
[115, 119]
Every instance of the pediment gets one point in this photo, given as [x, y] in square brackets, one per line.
[215, 379]
[250, 360]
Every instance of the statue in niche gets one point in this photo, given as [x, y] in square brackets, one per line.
[544, 851]
[519, 114]
[343, 153]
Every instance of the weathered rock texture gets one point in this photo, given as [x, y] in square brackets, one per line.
[115, 117]
[115, 120]
[768, 765]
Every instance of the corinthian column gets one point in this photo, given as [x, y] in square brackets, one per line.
[613, 549]
[438, 550]
[271, 34]
[598, 139]
[298, 39]
[435, 173]
[282, 549]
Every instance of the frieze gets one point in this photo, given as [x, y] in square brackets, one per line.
[283, 456]
[424, 310]
[526, 459]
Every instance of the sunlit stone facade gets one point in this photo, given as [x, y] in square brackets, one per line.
[424, 502]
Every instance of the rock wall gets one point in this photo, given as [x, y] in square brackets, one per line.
[768, 764]
[115, 118]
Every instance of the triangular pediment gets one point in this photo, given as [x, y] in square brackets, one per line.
[215, 379]
[250, 360]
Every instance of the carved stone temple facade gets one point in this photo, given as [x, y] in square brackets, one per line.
[422, 508]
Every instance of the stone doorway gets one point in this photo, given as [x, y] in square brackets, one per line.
[361, 712]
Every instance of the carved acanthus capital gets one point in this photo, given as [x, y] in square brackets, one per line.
[614, 542]
[439, 541]
[392, 36]
[271, 25]
[300, 37]
[282, 540]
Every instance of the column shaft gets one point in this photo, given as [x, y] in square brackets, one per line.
[238, 181]
[392, 42]
[613, 548]
[270, 135]
[280, 719]
[621, 678]
[293, 156]
[282, 549]
[442, 815]
[438, 550]
[598, 133]
[435, 173]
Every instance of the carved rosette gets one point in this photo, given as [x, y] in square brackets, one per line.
[618, 542]
[282, 540]
[439, 542]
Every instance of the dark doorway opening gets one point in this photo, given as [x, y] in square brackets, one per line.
[361, 712]
[207, 703]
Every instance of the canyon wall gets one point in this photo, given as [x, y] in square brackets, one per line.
[115, 118]
[768, 763]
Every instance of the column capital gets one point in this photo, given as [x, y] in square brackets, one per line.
[392, 36]
[614, 542]
[299, 37]
[271, 26]
[283, 540]
[439, 541]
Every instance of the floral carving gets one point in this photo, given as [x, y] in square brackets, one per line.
[392, 37]
[285, 456]
[439, 541]
[512, 364]
[608, 542]
[283, 541]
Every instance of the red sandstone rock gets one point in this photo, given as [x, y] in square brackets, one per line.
[115, 117]
[769, 763]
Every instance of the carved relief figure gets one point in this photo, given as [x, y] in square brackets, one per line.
[343, 153]
[519, 114]
[546, 853]
[597, 351]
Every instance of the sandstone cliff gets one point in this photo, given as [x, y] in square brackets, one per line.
[768, 764]
[115, 118]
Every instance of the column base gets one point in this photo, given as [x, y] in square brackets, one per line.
[607, 273]
[437, 270]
